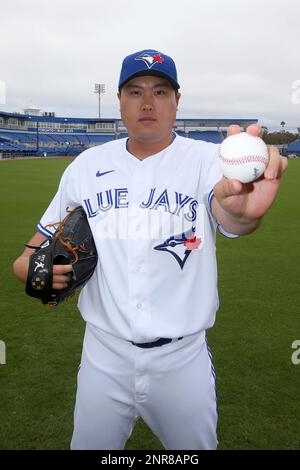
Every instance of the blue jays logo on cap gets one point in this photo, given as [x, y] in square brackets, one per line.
[148, 62]
[151, 59]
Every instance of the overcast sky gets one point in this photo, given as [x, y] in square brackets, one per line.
[234, 58]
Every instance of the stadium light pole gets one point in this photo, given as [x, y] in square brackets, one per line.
[100, 90]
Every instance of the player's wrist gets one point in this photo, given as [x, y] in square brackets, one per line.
[20, 267]
[231, 220]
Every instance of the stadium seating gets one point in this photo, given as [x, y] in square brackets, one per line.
[35, 134]
[208, 136]
[51, 143]
[294, 148]
[100, 138]
[83, 139]
[123, 135]
[55, 143]
[181, 133]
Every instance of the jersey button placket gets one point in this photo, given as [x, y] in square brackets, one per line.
[137, 251]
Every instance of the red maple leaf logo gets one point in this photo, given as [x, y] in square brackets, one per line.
[158, 58]
[192, 243]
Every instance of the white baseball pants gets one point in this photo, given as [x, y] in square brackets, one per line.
[172, 387]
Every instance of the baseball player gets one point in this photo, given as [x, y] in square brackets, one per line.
[153, 202]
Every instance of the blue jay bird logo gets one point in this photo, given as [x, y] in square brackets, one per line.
[180, 246]
[150, 60]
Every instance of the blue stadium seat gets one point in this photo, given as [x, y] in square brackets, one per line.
[98, 138]
[294, 147]
[208, 136]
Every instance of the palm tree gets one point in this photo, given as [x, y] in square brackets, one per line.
[282, 125]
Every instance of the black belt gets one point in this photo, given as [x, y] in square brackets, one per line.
[159, 342]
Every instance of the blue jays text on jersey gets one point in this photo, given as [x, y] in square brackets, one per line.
[172, 202]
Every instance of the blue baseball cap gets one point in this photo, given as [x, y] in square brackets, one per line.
[148, 62]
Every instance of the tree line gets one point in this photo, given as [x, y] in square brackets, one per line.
[279, 138]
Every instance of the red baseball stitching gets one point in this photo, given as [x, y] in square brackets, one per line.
[243, 159]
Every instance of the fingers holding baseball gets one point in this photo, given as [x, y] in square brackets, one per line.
[233, 129]
[277, 164]
[253, 129]
[61, 276]
[227, 187]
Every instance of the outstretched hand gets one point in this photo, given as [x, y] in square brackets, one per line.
[244, 204]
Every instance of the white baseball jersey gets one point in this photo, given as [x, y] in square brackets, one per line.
[156, 275]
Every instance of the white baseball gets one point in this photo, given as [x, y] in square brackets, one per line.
[243, 156]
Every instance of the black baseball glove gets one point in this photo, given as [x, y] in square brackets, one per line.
[72, 243]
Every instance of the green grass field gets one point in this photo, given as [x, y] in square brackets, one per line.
[258, 386]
